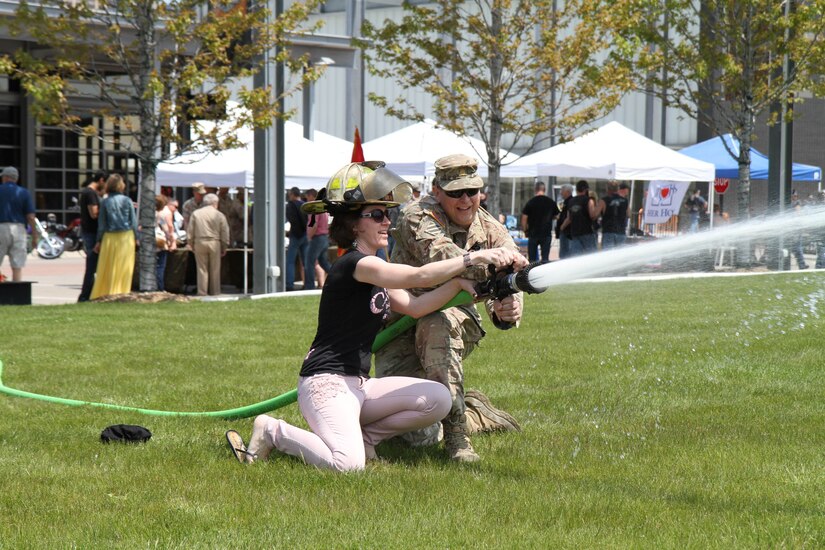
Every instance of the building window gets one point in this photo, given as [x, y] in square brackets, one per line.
[9, 136]
[333, 6]
[64, 161]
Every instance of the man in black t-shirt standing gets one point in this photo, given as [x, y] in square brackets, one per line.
[613, 210]
[581, 214]
[537, 222]
[298, 243]
[89, 208]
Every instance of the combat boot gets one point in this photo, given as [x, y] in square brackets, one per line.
[482, 416]
[456, 441]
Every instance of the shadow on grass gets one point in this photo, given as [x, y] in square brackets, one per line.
[396, 451]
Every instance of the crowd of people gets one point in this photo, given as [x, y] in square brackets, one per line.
[109, 230]
[577, 223]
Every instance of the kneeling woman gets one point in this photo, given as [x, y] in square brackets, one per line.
[348, 412]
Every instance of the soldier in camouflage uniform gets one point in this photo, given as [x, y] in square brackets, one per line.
[447, 224]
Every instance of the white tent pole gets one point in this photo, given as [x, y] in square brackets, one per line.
[245, 240]
[711, 193]
[513, 198]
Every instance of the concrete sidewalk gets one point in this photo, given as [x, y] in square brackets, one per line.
[55, 281]
[58, 281]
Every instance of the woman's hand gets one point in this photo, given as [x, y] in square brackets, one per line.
[467, 285]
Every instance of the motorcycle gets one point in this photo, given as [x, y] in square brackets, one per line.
[50, 246]
[71, 235]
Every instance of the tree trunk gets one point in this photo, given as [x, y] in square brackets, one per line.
[494, 137]
[743, 191]
[744, 251]
[493, 190]
[149, 143]
[147, 252]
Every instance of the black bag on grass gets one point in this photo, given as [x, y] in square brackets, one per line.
[125, 433]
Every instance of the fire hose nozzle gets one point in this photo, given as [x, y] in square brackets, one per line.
[508, 282]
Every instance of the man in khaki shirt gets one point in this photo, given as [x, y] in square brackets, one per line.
[447, 224]
[208, 236]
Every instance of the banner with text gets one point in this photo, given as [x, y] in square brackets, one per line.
[663, 200]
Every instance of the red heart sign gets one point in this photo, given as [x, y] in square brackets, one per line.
[664, 191]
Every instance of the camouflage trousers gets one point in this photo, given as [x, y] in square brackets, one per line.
[435, 350]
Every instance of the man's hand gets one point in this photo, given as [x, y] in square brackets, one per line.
[520, 262]
[508, 309]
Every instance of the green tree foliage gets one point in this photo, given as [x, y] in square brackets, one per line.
[720, 61]
[524, 69]
[151, 65]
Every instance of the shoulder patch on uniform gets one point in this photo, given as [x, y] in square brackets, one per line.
[437, 218]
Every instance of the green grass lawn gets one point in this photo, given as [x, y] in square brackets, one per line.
[684, 413]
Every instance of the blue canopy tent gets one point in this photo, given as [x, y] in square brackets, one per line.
[715, 152]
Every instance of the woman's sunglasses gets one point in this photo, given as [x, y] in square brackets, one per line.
[377, 215]
[457, 194]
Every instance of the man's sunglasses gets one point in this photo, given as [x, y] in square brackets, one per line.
[377, 215]
[457, 194]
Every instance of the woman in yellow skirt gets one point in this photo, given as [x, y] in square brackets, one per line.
[117, 225]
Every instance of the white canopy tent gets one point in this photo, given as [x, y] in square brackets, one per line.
[612, 152]
[307, 163]
[411, 151]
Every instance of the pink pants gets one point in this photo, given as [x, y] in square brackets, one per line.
[349, 415]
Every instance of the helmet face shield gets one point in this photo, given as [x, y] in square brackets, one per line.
[383, 183]
[361, 183]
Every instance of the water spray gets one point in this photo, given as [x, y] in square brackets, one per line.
[809, 219]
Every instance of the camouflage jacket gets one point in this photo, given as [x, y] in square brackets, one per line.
[424, 234]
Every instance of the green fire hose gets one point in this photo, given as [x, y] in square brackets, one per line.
[383, 338]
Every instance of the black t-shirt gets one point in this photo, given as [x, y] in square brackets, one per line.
[297, 219]
[614, 218]
[88, 197]
[349, 317]
[565, 209]
[540, 211]
[579, 212]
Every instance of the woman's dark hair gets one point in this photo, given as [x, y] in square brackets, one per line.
[342, 228]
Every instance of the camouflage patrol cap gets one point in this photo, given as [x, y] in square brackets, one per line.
[458, 171]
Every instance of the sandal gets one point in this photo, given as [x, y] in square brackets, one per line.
[238, 448]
